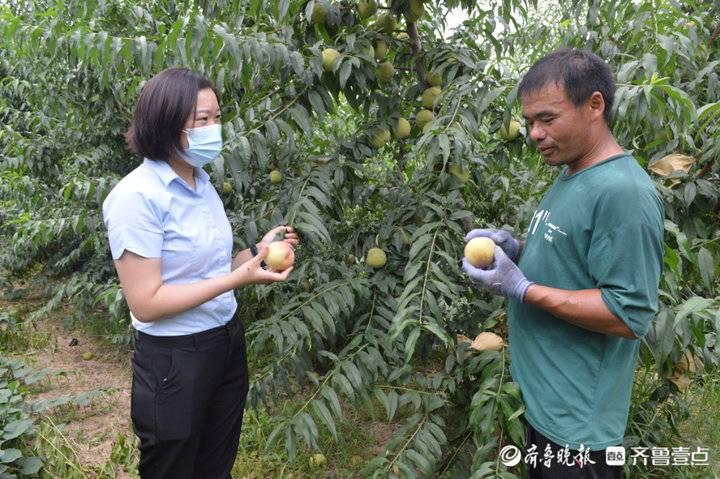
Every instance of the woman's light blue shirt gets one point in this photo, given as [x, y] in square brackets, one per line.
[155, 214]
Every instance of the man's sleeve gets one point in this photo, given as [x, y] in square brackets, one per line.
[625, 260]
[132, 225]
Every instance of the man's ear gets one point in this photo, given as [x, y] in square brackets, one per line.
[596, 104]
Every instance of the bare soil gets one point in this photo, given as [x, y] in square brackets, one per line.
[78, 363]
[92, 428]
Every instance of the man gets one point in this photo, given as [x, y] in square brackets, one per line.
[585, 286]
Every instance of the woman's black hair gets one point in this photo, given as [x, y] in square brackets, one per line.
[165, 103]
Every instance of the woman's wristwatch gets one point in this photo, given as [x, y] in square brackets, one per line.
[254, 251]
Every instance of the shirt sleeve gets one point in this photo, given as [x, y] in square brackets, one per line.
[625, 261]
[132, 224]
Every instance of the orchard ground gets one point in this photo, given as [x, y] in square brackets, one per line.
[96, 440]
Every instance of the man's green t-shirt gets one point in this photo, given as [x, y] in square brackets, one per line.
[601, 227]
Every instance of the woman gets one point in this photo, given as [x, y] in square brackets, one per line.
[172, 246]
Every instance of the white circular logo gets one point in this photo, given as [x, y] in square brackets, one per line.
[510, 456]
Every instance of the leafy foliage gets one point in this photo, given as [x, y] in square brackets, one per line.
[339, 330]
[16, 427]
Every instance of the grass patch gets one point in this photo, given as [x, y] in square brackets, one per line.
[359, 438]
[702, 429]
[661, 417]
[17, 335]
[60, 453]
[19, 303]
[110, 334]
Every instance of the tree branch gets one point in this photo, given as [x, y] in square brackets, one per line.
[705, 169]
[416, 48]
[714, 35]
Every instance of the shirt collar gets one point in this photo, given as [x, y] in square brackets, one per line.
[167, 174]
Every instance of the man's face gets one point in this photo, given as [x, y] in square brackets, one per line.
[559, 129]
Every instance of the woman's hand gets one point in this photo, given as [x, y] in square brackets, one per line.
[250, 272]
[290, 238]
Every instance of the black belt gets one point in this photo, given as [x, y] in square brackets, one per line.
[189, 339]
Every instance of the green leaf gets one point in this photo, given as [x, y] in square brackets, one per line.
[345, 384]
[30, 465]
[353, 373]
[689, 192]
[315, 319]
[460, 214]
[418, 244]
[290, 443]
[10, 455]
[333, 400]
[707, 114]
[274, 435]
[255, 7]
[317, 103]
[444, 143]
[345, 71]
[16, 428]
[422, 463]
[410, 344]
[691, 306]
[391, 404]
[706, 265]
[671, 259]
[313, 223]
[487, 99]
[283, 8]
[324, 414]
[302, 119]
[438, 331]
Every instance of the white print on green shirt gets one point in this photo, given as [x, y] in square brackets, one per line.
[543, 216]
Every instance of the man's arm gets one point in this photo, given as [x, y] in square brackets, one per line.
[584, 308]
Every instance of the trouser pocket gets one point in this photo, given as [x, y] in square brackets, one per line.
[163, 393]
[174, 402]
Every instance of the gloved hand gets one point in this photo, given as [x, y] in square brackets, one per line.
[502, 238]
[504, 277]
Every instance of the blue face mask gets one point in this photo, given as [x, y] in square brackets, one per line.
[204, 145]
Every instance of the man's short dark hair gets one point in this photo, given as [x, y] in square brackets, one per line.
[165, 103]
[579, 72]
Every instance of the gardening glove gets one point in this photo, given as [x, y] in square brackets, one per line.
[504, 277]
[502, 238]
